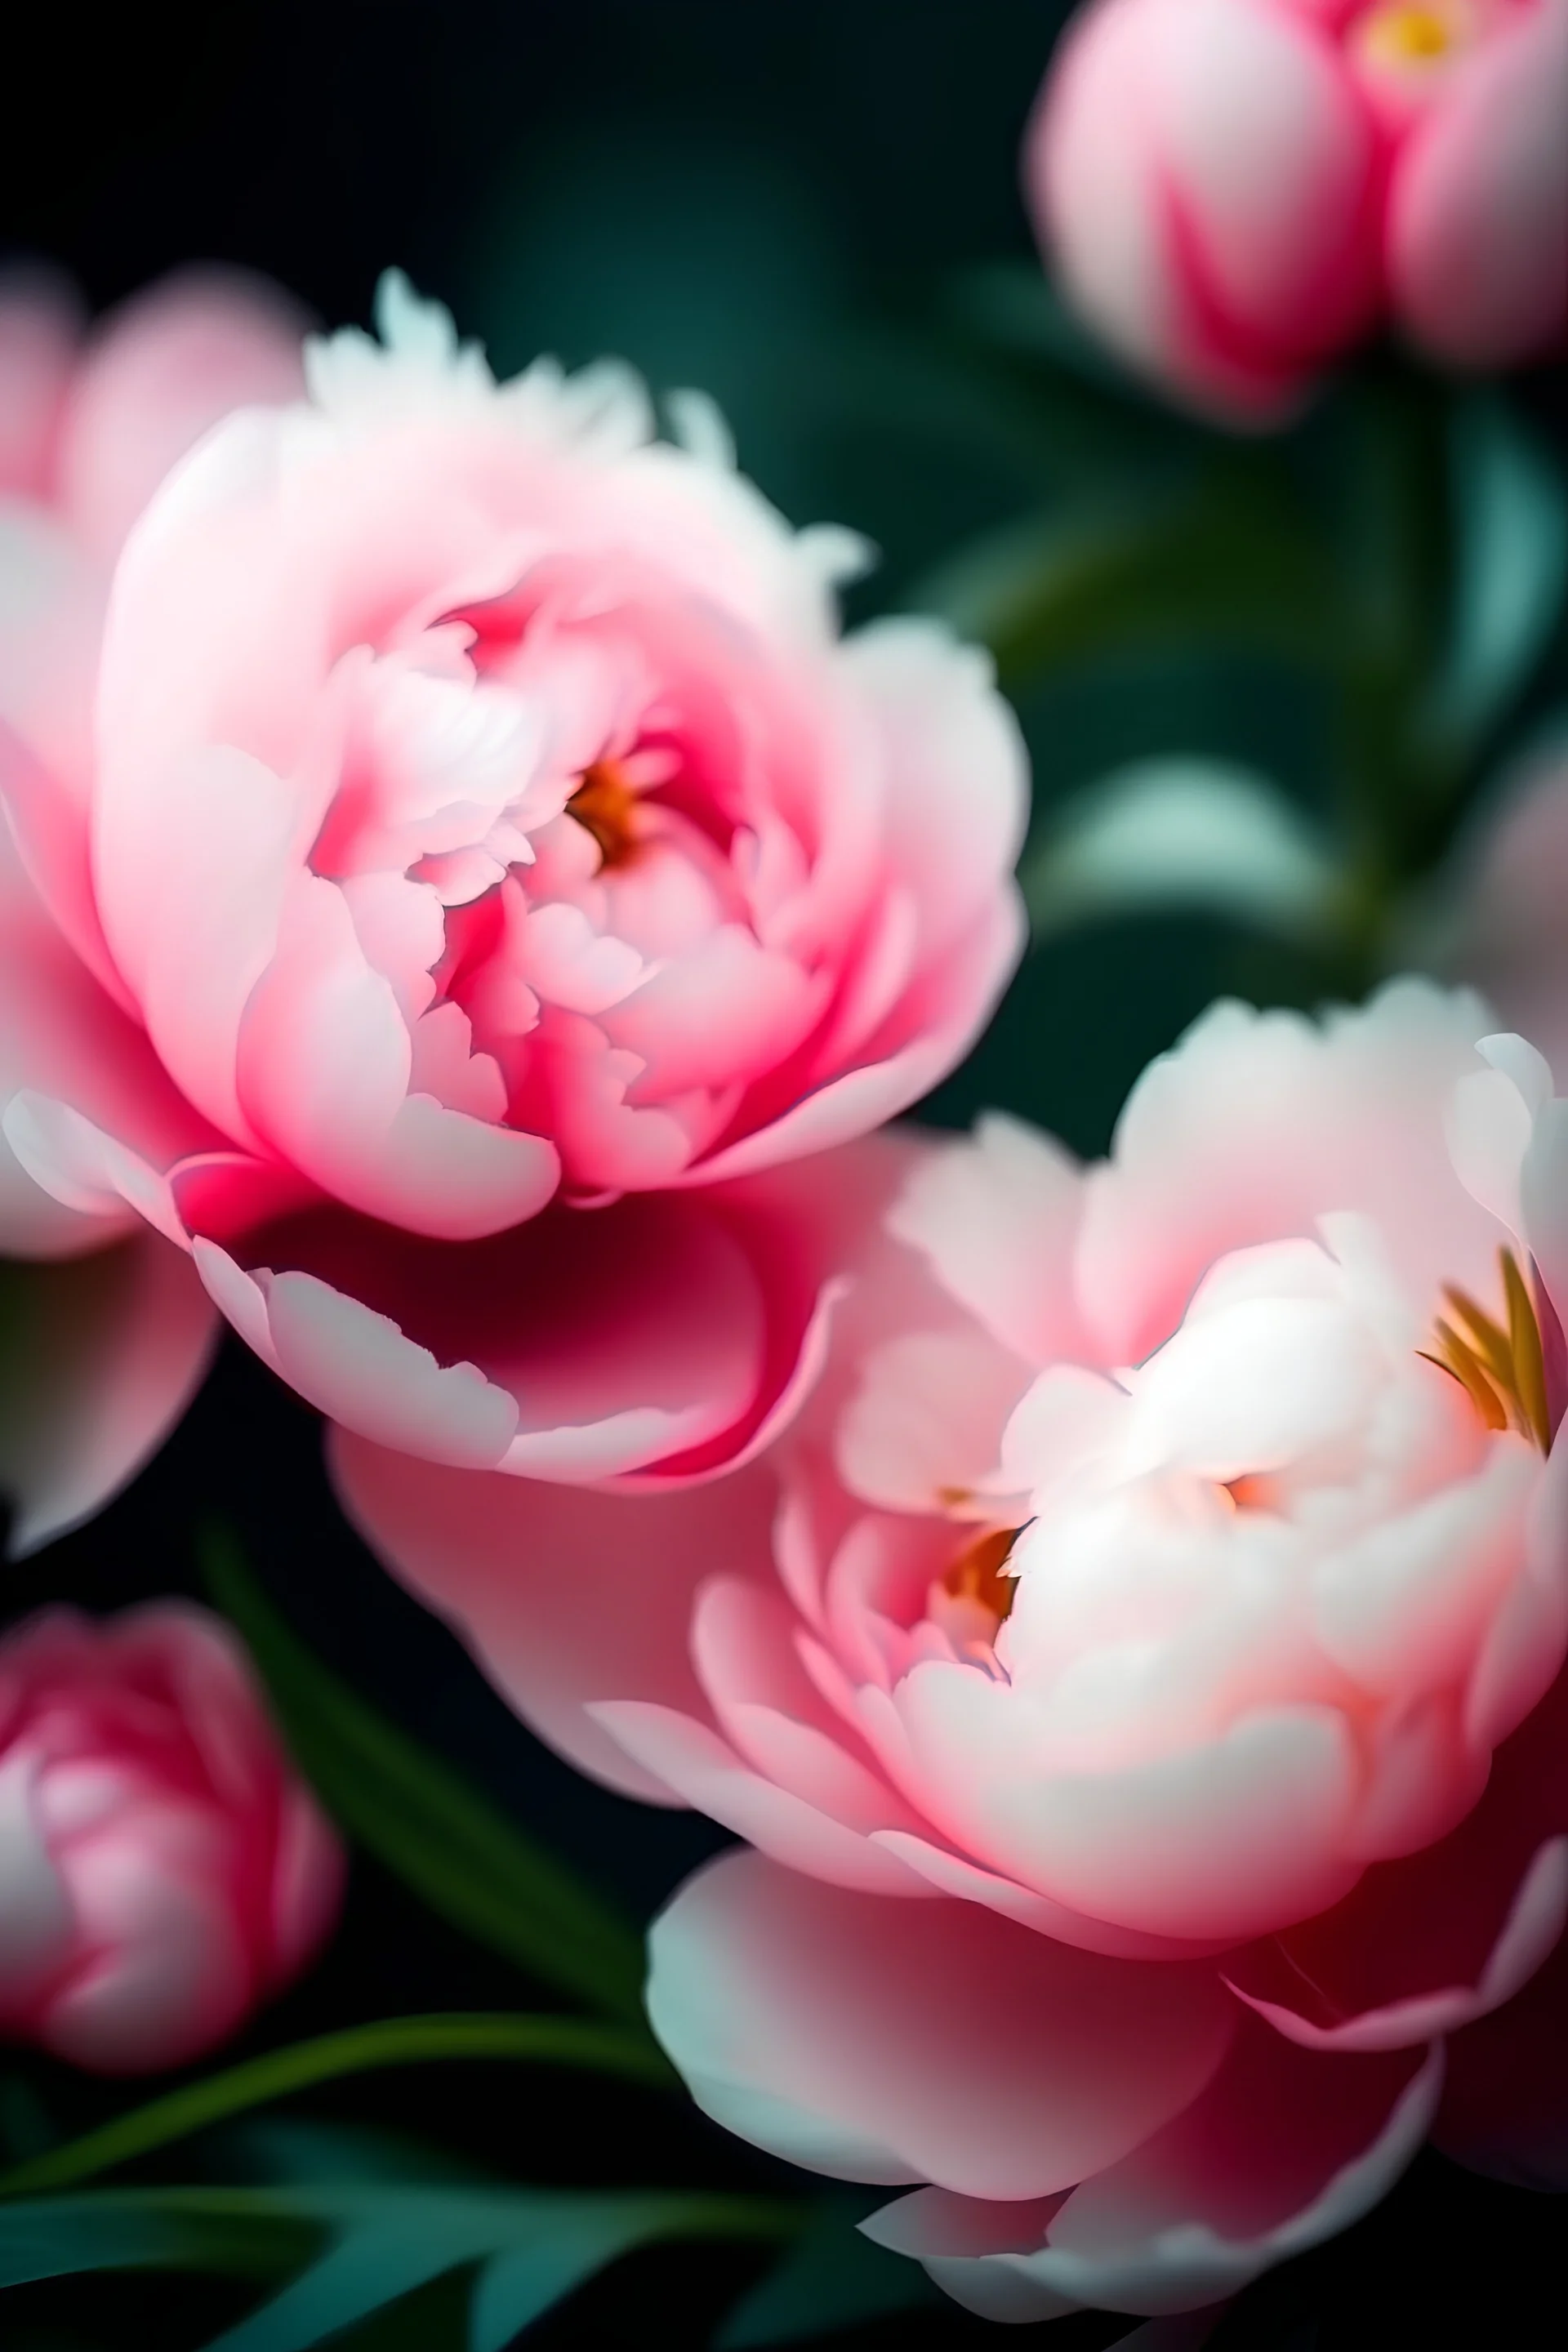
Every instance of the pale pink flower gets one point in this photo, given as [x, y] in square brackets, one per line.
[161, 1868]
[488, 824]
[1165, 1595]
[1235, 189]
[106, 1330]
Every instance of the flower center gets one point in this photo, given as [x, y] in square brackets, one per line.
[976, 1574]
[1405, 35]
[1500, 1365]
[605, 804]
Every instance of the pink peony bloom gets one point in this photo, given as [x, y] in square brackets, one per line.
[106, 1330]
[161, 1869]
[488, 824]
[1165, 1595]
[1233, 189]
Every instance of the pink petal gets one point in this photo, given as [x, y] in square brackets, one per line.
[325, 1064]
[860, 2037]
[39, 329]
[1229, 1839]
[564, 1596]
[102, 1357]
[943, 1017]
[166, 366]
[1477, 230]
[60, 1035]
[1255, 1125]
[996, 1218]
[1455, 1928]
[945, 733]
[1280, 2151]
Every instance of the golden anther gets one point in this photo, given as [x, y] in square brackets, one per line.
[1501, 1369]
[976, 1574]
[605, 805]
[1405, 35]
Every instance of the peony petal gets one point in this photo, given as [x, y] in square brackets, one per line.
[564, 1596]
[102, 1357]
[358, 1367]
[166, 365]
[867, 2040]
[39, 328]
[1282, 2150]
[325, 1065]
[996, 1218]
[1530, 1933]
[1257, 1124]
[707, 1773]
[1229, 1839]
[1477, 230]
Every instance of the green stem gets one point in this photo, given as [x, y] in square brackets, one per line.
[390, 2042]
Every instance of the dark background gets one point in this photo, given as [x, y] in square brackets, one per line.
[776, 201]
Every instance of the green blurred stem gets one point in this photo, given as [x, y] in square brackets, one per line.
[390, 2042]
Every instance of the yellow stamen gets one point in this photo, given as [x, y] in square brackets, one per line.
[1405, 35]
[976, 1573]
[605, 804]
[1503, 1371]
[1529, 1355]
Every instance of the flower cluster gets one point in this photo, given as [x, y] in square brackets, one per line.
[472, 918]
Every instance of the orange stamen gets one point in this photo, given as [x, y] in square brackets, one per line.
[605, 804]
[976, 1574]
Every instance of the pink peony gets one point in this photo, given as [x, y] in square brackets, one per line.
[489, 824]
[161, 1869]
[106, 1330]
[1234, 188]
[1165, 1595]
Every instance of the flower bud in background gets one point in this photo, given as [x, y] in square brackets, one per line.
[1139, 1670]
[104, 1329]
[1233, 190]
[161, 1867]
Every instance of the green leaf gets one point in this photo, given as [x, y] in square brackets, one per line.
[1232, 560]
[382, 2242]
[532, 2246]
[457, 1852]
[222, 2229]
[514, 2289]
[388, 2042]
[1513, 520]
[832, 2277]
[1181, 834]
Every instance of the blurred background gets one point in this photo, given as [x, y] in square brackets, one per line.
[810, 208]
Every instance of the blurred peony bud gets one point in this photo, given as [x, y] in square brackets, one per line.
[1234, 188]
[161, 1868]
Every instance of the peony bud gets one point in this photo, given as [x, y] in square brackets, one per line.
[1233, 189]
[161, 1868]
